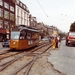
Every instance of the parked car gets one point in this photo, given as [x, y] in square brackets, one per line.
[70, 38]
[46, 39]
[6, 43]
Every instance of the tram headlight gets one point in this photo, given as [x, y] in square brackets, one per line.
[14, 42]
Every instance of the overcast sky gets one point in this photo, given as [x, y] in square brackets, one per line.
[59, 13]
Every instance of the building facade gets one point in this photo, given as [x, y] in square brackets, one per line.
[22, 13]
[7, 14]
[12, 13]
[33, 21]
[7, 17]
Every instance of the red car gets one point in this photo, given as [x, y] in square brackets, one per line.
[70, 39]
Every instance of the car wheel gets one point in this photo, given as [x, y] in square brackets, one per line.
[8, 46]
[67, 44]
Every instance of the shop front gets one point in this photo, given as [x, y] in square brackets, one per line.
[3, 34]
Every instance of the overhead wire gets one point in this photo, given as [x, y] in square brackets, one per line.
[42, 8]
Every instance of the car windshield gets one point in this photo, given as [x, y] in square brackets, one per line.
[15, 35]
[72, 34]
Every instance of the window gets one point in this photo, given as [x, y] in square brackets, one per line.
[6, 24]
[1, 12]
[1, 3]
[18, 11]
[20, 4]
[17, 20]
[11, 16]
[21, 17]
[34, 36]
[6, 5]
[1, 24]
[23, 35]
[17, 1]
[15, 35]
[24, 17]
[6, 14]
[21, 14]
[12, 8]
[72, 34]
[28, 35]
[23, 6]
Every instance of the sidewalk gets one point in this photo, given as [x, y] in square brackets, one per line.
[0, 44]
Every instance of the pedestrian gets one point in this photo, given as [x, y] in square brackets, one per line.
[56, 41]
[53, 43]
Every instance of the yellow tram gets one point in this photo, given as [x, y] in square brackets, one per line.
[23, 38]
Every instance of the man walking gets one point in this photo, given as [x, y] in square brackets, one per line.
[56, 40]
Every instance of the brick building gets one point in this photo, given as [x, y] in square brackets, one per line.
[7, 17]
[12, 13]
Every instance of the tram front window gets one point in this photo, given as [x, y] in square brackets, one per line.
[15, 35]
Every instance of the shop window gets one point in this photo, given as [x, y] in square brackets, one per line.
[6, 14]
[6, 5]
[1, 12]
[12, 8]
[1, 2]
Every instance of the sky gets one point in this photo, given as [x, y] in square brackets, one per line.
[59, 13]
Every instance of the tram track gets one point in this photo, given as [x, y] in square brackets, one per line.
[8, 53]
[35, 58]
[3, 52]
[31, 62]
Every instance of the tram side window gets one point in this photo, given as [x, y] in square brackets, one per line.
[28, 35]
[23, 35]
[34, 36]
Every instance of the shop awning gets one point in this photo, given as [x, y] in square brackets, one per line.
[2, 31]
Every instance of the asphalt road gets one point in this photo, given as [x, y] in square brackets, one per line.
[1, 48]
[63, 59]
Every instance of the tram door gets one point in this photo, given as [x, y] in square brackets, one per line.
[22, 40]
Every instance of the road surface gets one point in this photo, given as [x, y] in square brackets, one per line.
[63, 59]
